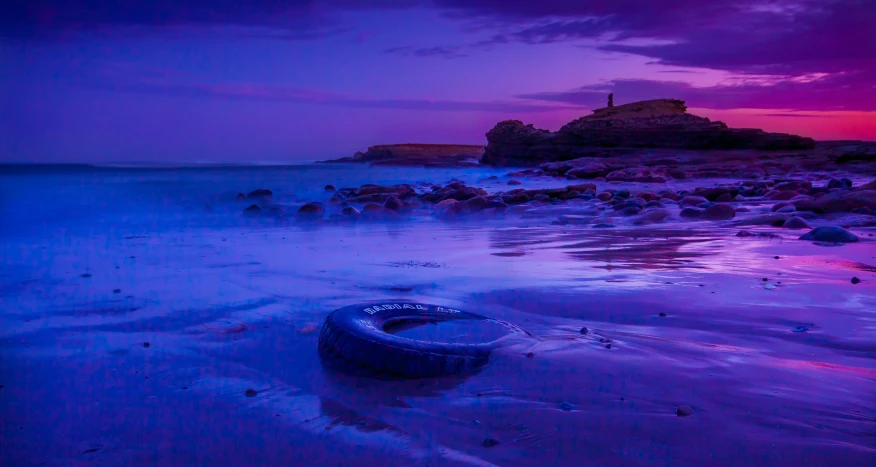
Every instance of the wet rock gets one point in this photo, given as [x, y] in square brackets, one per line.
[776, 219]
[677, 174]
[793, 185]
[241, 196]
[572, 219]
[654, 204]
[855, 280]
[630, 210]
[515, 198]
[251, 393]
[588, 170]
[260, 193]
[712, 194]
[86, 275]
[780, 195]
[330, 188]
[868, 186]
[603, 226]
[394, 203]
[845, 201]
[796, 223]
[724, 198]
[800, 328]
[844, 184]
[719, 212]
[584, 330]
[117, 290]
[311, 210]
[477, 204]
[567, 406]
[781, 205]
[652, 215]
[514, 182]
[662, 314]
[787, 209]
[691, 213]
[252, 209]
[604, 196]
[377, 212]
[692, 200]
[351, 212]
[830, 234]
[683, 411]
[489, 442]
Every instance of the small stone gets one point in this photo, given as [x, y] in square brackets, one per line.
[146, 345]
[765, 279]
[796, 223]
[330, 188]
[662, 314]
[607, 346]
[489, 442]
[855, 280]
[514, 182]
[770, 287]
[775, 257]
[584, 330]
[117, 290]
[86, 275]
[251, 393]
[683, 411]
[567, 406]
[801, 328]
[530, 355]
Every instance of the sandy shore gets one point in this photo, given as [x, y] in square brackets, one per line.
[133, 341]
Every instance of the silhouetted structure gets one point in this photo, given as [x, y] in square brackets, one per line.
[611, 99]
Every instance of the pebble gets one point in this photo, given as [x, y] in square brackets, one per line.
[662, 314]
[684, 411]
[146, 345]
[567, 406]
[86, 275]
[801, 328]
[530, 355]
[117, 290]
[584, 330]
[770, 286]
[855, 280]
[251, 393]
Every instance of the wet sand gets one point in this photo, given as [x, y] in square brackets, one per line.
[158, 372]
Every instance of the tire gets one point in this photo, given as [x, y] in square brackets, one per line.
[354, 336]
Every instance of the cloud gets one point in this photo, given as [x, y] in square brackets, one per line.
[445, 52]
[58, 19]
[833, 92]
[118, 78]
[782, 37]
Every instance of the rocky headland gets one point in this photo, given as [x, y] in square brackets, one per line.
[658, 123]
[426, 155]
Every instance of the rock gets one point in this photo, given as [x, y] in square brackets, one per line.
[677, 174]
[795, 223]
[241, 196]
[719, 212]
[514, 182]
[868, 186]
[351, 212]
[845, 201]
[311, 210]
[489, 442]
[844, 184]
[429, 155]
[691, 213]
[781, 205]
[260, 193]
[330, 188]
[541, 197]
[584, 330]
[691, 200]
[588, 170]
[780, 195]
[604, 196]
[724, 198]
[684, 411]
[830, 234]
[477, 204]
[251, 393]
[394, 203]
[651, 216]
[855, 280]
[252, 209]
[567, 406]
[776, 219]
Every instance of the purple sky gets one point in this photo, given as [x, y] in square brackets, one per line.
[258, 80]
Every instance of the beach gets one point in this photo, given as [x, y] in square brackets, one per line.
[140, 306]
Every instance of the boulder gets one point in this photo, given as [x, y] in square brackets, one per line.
[719, 212]
[830, 234]
[796, 223]
[311, 210]
[260, 193]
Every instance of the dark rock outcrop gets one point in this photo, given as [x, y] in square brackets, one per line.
[658, 123]
[429, 155]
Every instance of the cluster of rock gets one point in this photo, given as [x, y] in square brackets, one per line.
[427, 155]
[659, 123]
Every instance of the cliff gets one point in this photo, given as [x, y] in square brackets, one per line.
[658, 123]
[430, 155]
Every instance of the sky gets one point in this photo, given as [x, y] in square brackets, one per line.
[295, 80]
